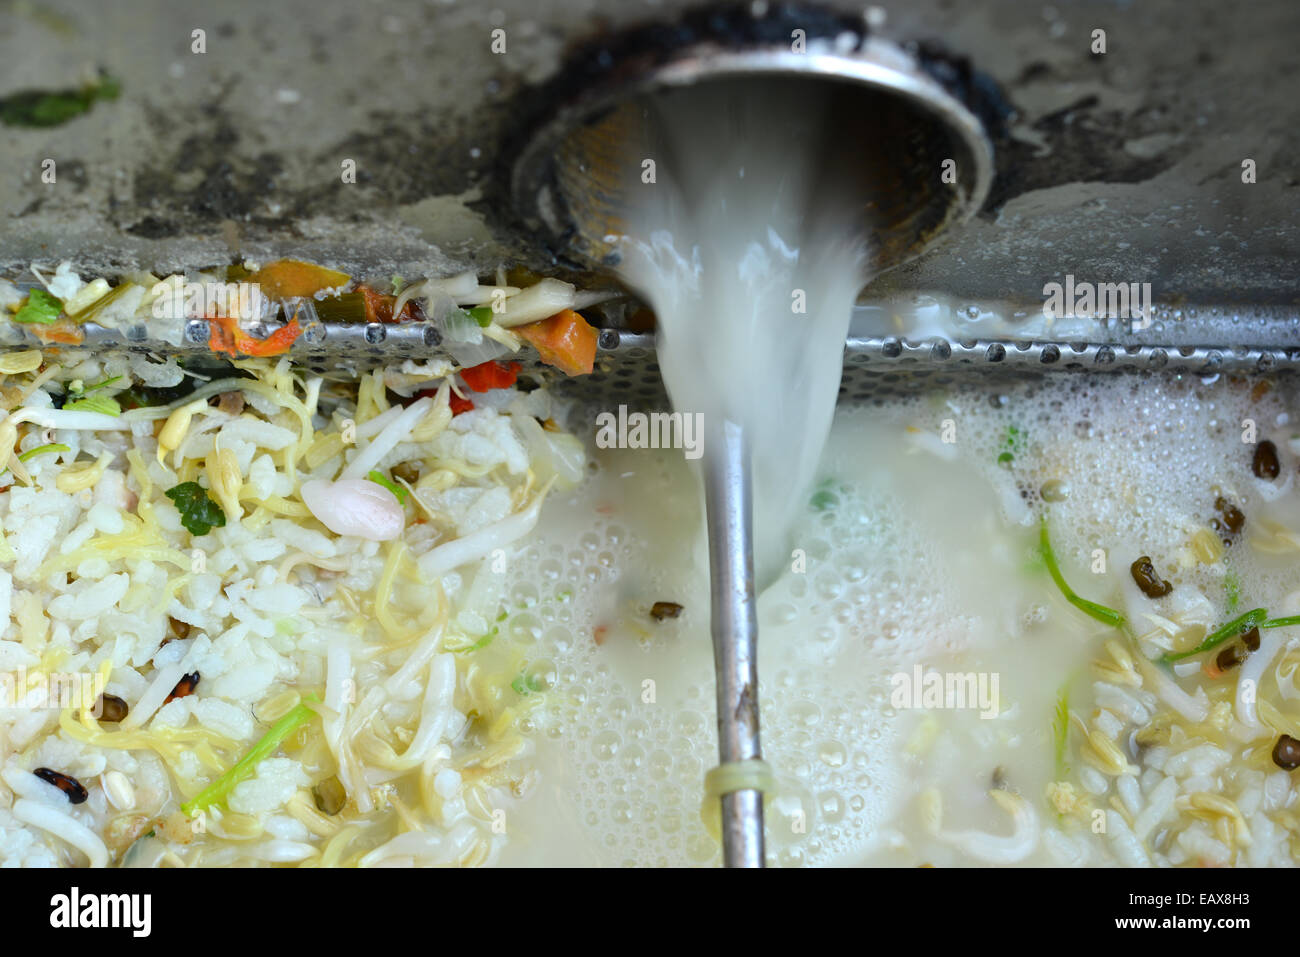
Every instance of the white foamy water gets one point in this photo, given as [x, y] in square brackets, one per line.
[749, 256]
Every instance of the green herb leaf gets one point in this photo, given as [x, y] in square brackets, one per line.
[199, 513]
[1238, 626]
[1107, 616]
[42, 449]
[220, 789]
[40, 309]
[43, 108]
[106, 405]
[482, 315]
[380, 479]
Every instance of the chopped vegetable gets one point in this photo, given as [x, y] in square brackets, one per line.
[45, 108]
[1238, 626]
[103, 404]
[482, 315]
[227, 337]
[1281, 622]
[565, 341]
[100, 385]
[490, 375]
[219, 790]
[41, 308]
[459, 404]
[380, 479]
[364, 304]
[1232, 589]
[199, 513]
[292, 278]
[42, 449]
[1107, 616]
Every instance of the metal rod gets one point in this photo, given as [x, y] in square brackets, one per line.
[728, 502]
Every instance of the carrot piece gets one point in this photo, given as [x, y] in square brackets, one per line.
[459, 405]
[565, 341]
[227, 337]
[63, 331]
[490, 375]
[287, 278]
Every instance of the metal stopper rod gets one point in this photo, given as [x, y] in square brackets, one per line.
[729, 505]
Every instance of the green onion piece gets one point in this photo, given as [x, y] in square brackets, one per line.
[100, 385]
[482, 315]
[349, 307]
[95, 403]
[41, 449]
[40, 309]
[1281, 622]
[220, 789]
[1107, 616]
[1238, 626]
[379, 478]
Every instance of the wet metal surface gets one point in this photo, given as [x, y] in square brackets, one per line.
[1124, 166]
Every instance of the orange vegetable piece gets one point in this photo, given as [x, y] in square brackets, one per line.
[64, 331]
[565, 341]
[287, 278]
[227, 337]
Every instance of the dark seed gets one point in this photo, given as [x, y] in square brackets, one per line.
[1265, 465]
[64, 782]
[1152, 585]
[110, 707]
[1232, 517]
[1251, 639]
[184, 688]
[665, 609]
[330, 796]
[1286, 753]
[1230, 657]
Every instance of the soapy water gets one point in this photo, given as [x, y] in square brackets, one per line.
[916, 552]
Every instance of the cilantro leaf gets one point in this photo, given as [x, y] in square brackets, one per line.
[40, 309]
[199, 513]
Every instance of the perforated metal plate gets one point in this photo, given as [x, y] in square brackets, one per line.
[626, 370]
